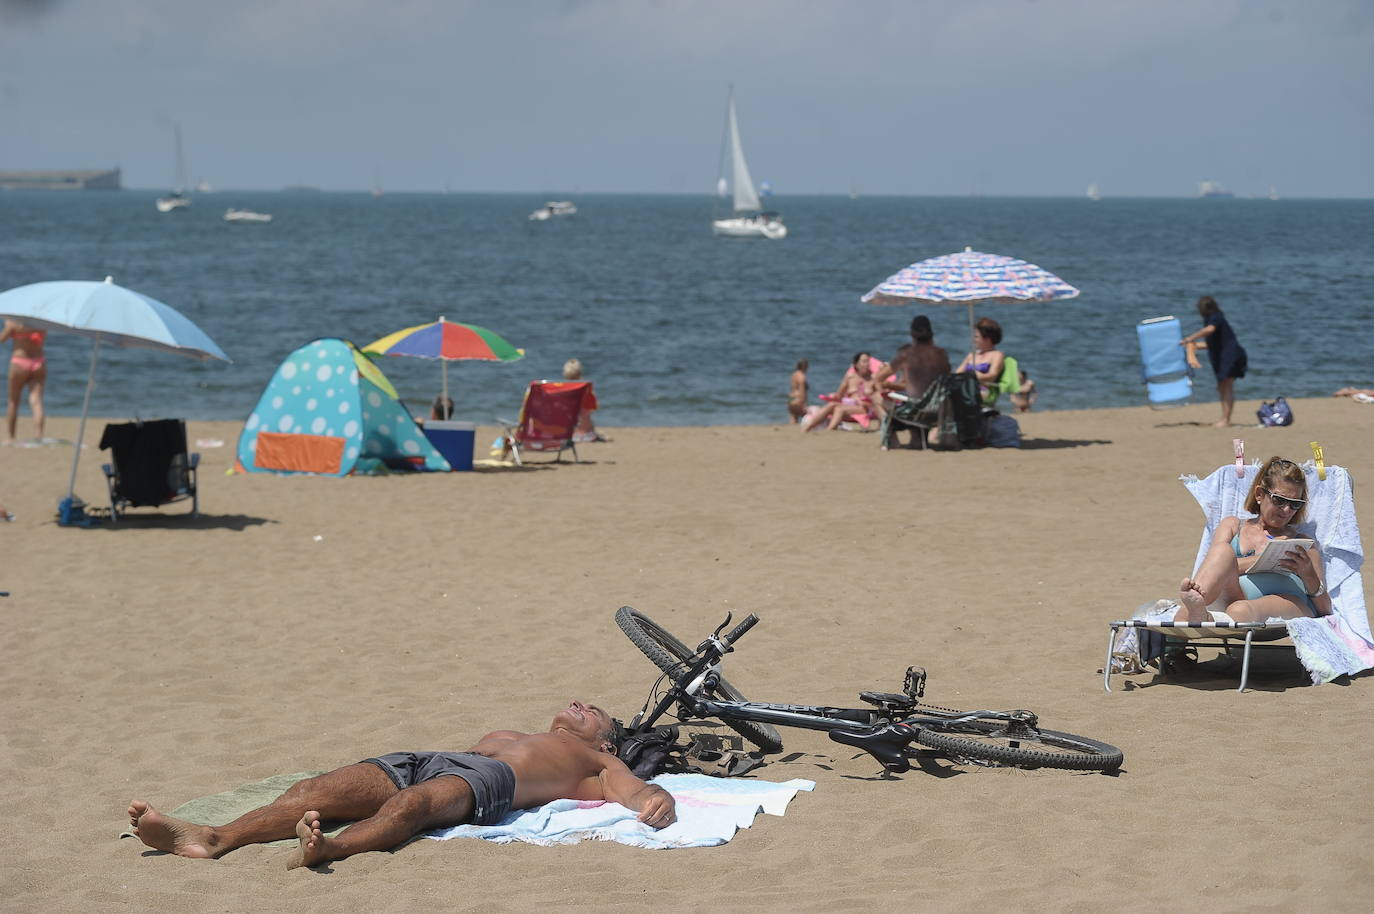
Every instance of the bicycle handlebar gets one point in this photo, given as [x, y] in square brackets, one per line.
[738, 631]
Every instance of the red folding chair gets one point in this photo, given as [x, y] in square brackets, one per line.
[548, 418]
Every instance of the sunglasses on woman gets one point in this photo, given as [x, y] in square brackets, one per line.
[1282, 501]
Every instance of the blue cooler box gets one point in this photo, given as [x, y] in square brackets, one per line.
[452, 439]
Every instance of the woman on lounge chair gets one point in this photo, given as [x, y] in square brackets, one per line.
[1278, 497]
[986, 360]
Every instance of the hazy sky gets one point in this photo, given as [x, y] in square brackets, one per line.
[1144, 98]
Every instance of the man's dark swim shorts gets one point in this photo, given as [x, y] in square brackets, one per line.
[492, 781]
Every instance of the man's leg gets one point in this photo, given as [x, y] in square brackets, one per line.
[352, 792]
[436, 803]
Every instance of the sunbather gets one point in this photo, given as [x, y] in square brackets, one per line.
[398, 796]
[986, 360]
[858, 397]
[1278, 497]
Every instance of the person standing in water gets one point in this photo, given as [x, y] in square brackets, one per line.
[798, 392]
[1223, 351]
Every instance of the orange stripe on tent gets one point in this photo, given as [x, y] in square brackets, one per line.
[299, 453]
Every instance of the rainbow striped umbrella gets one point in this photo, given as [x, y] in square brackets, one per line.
[446, 340]
[968, 277]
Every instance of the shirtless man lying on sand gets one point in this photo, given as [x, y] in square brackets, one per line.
[398, 796]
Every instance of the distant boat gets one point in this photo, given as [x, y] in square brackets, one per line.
[203, 187]
[1094, 193]
[177, 199]
[1212, 189]
[246, 215]
[1273, 193]
[553, 208]
[748, 220]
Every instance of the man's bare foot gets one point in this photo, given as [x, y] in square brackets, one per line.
[175, 836]
[314, 847]
[1221, 423]
[1192, 605]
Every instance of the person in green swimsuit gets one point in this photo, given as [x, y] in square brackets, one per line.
[1278, 498]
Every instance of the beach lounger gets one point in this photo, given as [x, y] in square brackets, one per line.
[1165, 371]
[1331, 646]
[149, 465]
[951, 404]
[548, 418]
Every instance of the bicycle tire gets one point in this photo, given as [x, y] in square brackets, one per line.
[991, 742]
[667, 653]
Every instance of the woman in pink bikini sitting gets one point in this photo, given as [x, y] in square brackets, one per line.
[28, 367]
[859, 398]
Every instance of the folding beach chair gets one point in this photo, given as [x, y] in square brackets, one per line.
[1165, 371]
[548, 418]
[1330, 646]
[149, 465]
[952, 404]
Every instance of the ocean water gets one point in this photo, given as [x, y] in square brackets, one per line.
[675, 326]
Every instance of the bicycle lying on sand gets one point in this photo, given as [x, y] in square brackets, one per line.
[890, 729]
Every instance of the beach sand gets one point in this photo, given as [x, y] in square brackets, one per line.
[306, 623]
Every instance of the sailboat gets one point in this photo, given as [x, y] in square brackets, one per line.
[177, 199]
[748, 219]
[1094, 193]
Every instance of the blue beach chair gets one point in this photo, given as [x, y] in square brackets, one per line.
[1165, 371]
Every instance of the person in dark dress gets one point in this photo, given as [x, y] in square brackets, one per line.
[1224, 351]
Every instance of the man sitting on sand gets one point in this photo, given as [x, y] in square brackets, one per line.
[398, 796]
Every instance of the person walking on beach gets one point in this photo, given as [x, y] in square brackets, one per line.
[1223, 351]
[396, 797]
[798, 391]
[28, 368]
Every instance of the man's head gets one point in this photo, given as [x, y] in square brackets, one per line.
[920, 329]
[590, 724]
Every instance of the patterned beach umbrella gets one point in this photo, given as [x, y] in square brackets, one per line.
[969, 277]
[448, 341]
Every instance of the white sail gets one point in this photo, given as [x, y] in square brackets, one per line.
[746, 197]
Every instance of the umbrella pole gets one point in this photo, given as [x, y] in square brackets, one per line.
[971, 354]
[444, 363]
[85, 408]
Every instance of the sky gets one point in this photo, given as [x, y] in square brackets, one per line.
[906, 97]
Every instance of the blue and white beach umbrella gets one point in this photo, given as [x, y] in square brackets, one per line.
[107, 313]
[969, 277]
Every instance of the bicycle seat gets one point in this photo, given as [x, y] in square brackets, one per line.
[886, 743]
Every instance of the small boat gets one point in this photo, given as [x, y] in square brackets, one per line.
[748, 219]
[177, 199]
[246, 215]
[553, 208]
[174, 201]
[1094, 193]
[1212, 189]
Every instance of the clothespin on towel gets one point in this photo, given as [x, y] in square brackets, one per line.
[1238, 444]
[1317, 456]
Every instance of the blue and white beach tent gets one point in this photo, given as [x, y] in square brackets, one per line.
[329, 410]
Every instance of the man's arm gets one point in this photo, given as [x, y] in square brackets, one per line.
[655, 805]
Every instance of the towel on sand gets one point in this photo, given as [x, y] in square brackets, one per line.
[710, 811]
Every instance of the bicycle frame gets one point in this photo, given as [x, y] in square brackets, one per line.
[889, 730]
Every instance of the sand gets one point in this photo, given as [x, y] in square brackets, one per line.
[307, 622]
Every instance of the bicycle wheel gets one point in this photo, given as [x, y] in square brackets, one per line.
[1022, 746]
[667, 653]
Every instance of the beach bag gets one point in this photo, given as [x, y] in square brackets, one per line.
[1276, 413]
[1002, 431]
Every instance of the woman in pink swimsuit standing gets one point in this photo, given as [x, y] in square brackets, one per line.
[28, 367]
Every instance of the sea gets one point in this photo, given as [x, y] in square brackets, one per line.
[677, 327]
